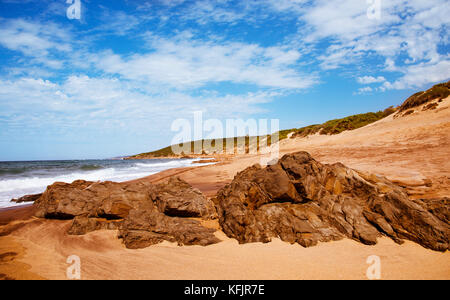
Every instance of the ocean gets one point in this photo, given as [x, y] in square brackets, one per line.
[32, 177]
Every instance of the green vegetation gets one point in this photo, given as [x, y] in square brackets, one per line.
[167, 151]
[348, 123]
[439, 91]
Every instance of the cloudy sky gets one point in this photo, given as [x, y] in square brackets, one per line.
[112, 82]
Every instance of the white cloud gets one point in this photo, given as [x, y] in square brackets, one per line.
[364, 90]
[420, 75]
[119, 23]
[292, 6]
[33, 39]
[108, 104]
[183, 62]
[407, 36]
[207, 11]
[136, 92]
[370, 79]
[40, 42]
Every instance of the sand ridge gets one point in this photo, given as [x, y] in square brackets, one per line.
[104, 257]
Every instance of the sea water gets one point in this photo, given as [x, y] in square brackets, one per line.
[32, 177]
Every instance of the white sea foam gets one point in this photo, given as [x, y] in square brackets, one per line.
[17, 187]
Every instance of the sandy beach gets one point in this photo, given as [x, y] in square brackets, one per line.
[412, 151]
[104, 257]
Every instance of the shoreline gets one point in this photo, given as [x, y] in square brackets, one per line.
[171, 157]
[16, 212]
[151, 177]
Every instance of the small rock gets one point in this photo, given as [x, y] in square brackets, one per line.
[27, 198]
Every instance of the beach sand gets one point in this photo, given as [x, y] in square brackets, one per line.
[413, 151]
[46, 248]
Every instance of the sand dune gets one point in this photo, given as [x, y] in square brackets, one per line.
[413, 150]
[104, 257]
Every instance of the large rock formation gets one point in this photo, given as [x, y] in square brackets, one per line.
[297, 199]
[144, 213]
[303, 201]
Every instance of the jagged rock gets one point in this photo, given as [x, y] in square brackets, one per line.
[82, 225]
[439, 207]
[147, 225]
[143, 213]
[303, 201]
[178, 199]
[27, 198]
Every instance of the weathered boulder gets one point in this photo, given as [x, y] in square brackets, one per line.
[144, 213]
[146, 226]
[178, 199]
[303, 201]
[106, 199]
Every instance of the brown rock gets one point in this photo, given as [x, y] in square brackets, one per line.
[143, 213]
[107, 199]
[178, 199]
[439, 207]
[147, 225]
[303, 201]
[27, 198]
[82, 225]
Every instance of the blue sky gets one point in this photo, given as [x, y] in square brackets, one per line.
[112, 82]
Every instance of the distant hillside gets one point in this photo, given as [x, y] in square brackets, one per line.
[437, 92]
[336, 126]
[330, 127]
[348, 123]
[167, 151]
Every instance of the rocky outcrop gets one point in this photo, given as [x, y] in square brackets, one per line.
[144, 213]
[303, 201]
[27, 198]
[107, 199]
[297, 199]
[439, 207]
[146, 226]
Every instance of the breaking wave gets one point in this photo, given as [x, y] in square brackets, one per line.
[33, 177]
